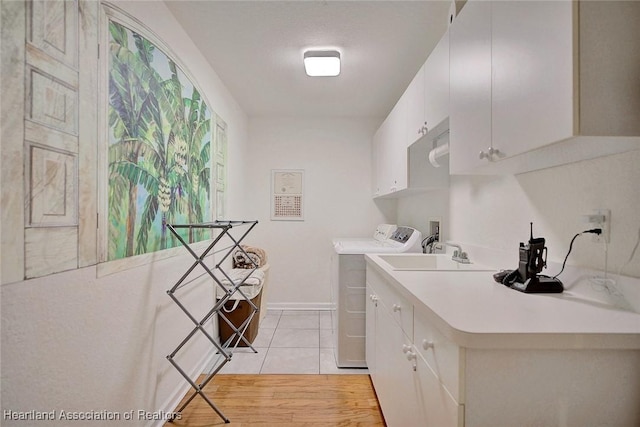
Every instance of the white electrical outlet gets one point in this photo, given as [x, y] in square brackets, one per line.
[434, 227]
[600, 218]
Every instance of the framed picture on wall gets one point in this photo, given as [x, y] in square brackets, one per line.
[287, 195]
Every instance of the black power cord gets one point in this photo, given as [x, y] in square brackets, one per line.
[597, 231]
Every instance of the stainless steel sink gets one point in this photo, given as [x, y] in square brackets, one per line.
[428, 262]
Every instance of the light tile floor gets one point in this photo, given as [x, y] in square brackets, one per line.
[289, 342]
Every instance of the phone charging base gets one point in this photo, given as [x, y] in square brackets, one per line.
[539, 285]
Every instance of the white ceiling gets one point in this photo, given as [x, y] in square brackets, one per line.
[256, 48]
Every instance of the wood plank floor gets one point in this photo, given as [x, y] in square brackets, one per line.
[285, 400]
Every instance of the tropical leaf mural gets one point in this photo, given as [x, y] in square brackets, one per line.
[159, 155]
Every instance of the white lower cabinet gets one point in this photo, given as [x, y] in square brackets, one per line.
[422, 378]
[443, 356]
[437, 406]
[370, 333]
[409, 391]
[396, 377]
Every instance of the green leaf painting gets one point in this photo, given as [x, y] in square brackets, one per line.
[159, 154]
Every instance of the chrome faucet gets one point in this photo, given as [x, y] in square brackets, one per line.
[458, 255]
[429, 242]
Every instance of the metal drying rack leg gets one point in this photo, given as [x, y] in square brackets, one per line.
[225, 348]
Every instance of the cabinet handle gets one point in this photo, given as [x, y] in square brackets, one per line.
[405, 348]
[427, 344]
[397, 307]
[411, 357]
[489, 153]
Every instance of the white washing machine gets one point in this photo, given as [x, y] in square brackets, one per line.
[348, 290]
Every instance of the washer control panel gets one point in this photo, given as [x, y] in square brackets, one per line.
[402, 234]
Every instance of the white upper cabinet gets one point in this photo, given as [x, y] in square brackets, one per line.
[414, 96]
[427, 96]
[609, 64]
[376, 168]
[536, 84]
[390, 152]
[532, 84]
[470, 93]
[436, 84]
[395, 160]
[423, 106]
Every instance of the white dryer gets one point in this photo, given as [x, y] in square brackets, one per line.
[348, 290]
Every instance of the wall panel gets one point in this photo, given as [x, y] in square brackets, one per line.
[51, 102]
[50, 249]
[51, 143]
[52, 28]
[12, 136]
[52, 187]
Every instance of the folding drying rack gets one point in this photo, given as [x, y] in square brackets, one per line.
[224, 350]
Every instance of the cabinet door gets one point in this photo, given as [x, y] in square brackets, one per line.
[400, 309]
[436, 84]
[396, 159]
[370, 332]
[390, 147]
[437, 407]
[376, 170]
[382, 180]
[395, 386]
[414, 95]
[470, 92]
[533, 74]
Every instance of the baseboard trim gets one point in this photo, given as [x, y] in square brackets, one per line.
[303, 306]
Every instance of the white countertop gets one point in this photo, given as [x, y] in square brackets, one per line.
[474, 311]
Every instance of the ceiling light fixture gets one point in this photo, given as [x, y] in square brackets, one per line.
[322, 63]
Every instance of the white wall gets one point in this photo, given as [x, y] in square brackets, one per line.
[494, 211]
[335, 155]
[75, 341]
[416, 211]
[490, 215]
